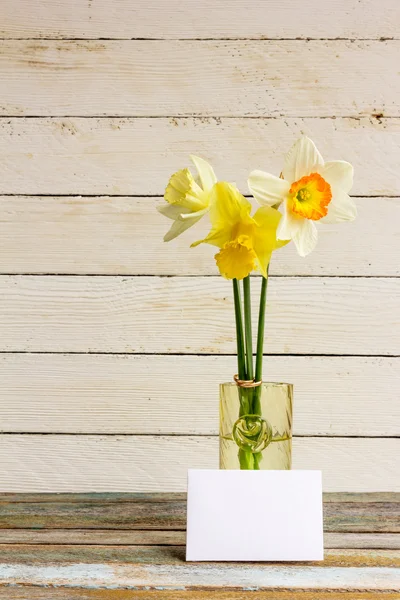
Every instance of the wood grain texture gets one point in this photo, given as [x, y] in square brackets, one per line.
[88, 513]
[85, 558]
[78, 463]
[137, 156]
[162, 497]
[106, 537]
[104, 235]
[341, 570]
[171, 559]
[26, 592]
[362, 540]
[230, 19]
[154, 315]
[113, 394]
[174, 558]
[247, 78]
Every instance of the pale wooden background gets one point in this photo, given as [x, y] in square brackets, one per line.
[112, 344]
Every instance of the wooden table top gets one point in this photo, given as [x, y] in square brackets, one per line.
[132, 546]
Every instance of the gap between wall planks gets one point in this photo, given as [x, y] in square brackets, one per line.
[113, 394]
[81, 463]
[104, 235]
[247, 78]
[206, 19]
[309, 315]
[137, 156]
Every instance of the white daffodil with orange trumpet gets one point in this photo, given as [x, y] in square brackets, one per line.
[308, 191]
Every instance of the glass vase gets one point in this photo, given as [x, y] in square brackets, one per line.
[256, 426]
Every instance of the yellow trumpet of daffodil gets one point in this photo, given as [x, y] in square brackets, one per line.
[188, 197]
[246, 242]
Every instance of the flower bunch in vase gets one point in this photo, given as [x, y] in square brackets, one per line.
[256, 416]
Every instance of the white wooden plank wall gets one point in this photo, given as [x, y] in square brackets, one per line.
[112, 344]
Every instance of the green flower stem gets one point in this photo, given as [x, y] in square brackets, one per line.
[257, 458]
[247, 327]
[248, 393]
[248, 459]
[239, 330]
[250, 399]
[260, 344]
[256, 461]
[245, 458]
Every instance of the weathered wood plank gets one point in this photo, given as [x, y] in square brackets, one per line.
[346, 497]
[157, 497]
[93, 498]
[98, 511]
[362, 540]
[138, 557]
[104, 235]
[107, 537]
[145, 568]
[137, 156]
[112, 393]
[149, 314]
[26, 592]
[372, 513]
[46, 593]
[78, 463]
[120, 537]
[230, 19]
[247, 78]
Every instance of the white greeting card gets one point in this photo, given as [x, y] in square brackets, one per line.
[237, 515]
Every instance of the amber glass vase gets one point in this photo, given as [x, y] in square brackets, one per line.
[256, 426]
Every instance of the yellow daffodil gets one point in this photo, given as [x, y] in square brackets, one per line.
[309, 190]
[188, 197]
[246, 242]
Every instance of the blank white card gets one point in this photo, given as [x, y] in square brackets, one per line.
[237, 515]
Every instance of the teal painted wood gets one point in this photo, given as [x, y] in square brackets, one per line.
[346, 513]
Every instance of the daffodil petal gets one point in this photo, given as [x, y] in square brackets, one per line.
[306, 237]
[195, 215]
[178, 227]
[341, 208]
[206, 172]
[302, 159]
[229, 210]
[288, 225]
[338, 173]
[264, 237]
[172, 211]
[217, 238]
[227, 205]
[267, 189]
